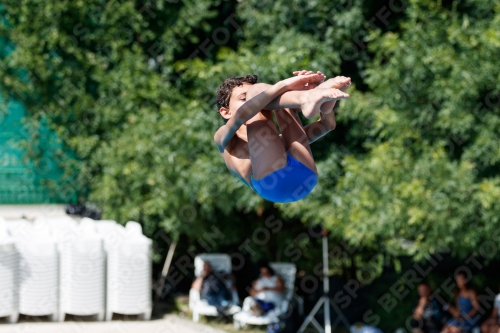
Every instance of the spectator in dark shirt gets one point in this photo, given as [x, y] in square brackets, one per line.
[212, 288]
[491, 324]
[428, 314]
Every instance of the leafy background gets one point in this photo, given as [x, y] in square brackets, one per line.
[411, 171]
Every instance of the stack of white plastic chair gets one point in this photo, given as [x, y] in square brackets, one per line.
[39, 269]
[287, 271]
[129, 268]
[83, 271]
[221, 264]
[9, 276]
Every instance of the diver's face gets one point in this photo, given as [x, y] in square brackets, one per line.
[237, 99]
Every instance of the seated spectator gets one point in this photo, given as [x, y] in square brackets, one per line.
[428, 315]
[267, 291]
[466, 310]
[491, 325]
[212, 288]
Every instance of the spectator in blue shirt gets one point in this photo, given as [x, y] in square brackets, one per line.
[465, 313]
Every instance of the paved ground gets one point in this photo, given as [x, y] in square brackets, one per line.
[170, 324]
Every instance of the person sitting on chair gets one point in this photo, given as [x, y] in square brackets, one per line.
[491, 325]
[212, 288]
[267, 291]
[466, 310]
[428, 315]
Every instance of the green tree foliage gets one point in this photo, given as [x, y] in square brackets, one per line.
[129, 87]
[429, 176]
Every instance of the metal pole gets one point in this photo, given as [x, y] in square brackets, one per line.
[325, 299]
[326, 284]
[165, 269]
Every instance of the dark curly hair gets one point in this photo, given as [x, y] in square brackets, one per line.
[223, 94]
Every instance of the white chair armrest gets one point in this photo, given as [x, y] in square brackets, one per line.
[247, 303]
[283, 307]
[194, 298]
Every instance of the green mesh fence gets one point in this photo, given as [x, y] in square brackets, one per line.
[21, 180]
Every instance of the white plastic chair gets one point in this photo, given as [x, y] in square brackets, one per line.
[9, 276]
[220, 263]
[63, 229]
[52, 223]
[4, 233]
[129, 278]
[129, 269]
[113, 233]
[133, 228]
[83, 271]
[19, 228]
[38, 269]
[287, 271]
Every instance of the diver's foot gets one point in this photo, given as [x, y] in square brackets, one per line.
[338, 82]
[314, 98]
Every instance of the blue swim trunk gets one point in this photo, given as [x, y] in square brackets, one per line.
[291, 183]
[265, 306]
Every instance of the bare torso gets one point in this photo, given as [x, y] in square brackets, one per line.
[237, 159]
